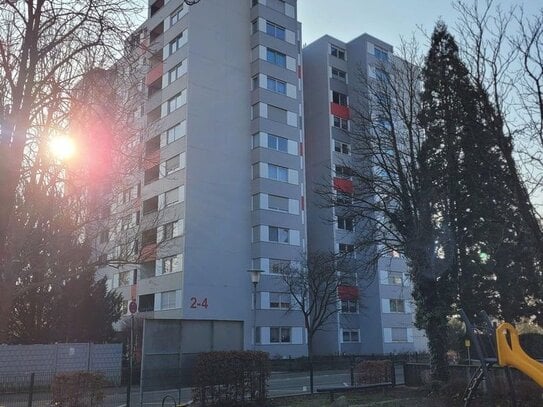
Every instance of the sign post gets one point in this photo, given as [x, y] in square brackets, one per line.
[132, 308]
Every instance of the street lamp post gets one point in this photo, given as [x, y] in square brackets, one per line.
[255, 278]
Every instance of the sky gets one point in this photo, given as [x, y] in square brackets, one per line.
[384, 19]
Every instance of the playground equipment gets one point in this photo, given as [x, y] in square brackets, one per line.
[498, 346]
[510, 353]
[483, 339]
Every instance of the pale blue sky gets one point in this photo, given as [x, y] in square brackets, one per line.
[384, 19]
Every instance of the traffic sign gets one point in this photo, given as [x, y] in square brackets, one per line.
[133, 307]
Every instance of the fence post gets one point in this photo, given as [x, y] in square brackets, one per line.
[352, 371]
[31, 389]
[393, 373]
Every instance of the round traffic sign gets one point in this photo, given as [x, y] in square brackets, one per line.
[133, 307]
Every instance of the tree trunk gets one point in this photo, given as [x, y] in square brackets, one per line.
[437, 343]
[310, 357]
[6, 301]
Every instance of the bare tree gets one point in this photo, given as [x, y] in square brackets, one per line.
[46, 47]
[314, 285]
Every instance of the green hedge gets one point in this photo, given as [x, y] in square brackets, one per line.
[232, 378]
[78, 389]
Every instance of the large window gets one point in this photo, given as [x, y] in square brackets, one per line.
[278, 203]
[395, 278]
[167, 300]
[381, 54]
[177, 43]
[339, 98]
[276, 57]
[343, 171]
[337, 52]
[277, 114]
[349, 306]
[397, 305]
[173, 164]
[176, 72]
[278, 266]
[345, 223]
[175, 103]
[277, 173]
[277, 143]
[351, 335]
[280, 334]
[345, 248]
[174, 133]
[171, 197]
[176, 15]
[341, 123]
[399, 334]
[339, 74]
[342, 148]
[277, 234]
[280, 300]
[275, 85]
[275, 30]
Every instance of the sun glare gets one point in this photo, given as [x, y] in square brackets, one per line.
[62, 147]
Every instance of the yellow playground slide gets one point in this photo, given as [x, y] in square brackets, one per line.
[511, 354]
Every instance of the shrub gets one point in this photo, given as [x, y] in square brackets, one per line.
[373, 371]
[532, 343]
[78, 389]
[231, 378]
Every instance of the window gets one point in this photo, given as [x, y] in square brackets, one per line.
[343, 171]
[339, 74]
[277, 143]
[397, 305]
[176, 15]
[275, 85]
[399, 334]
[171, 264]
[104, 236]
[254, 26]
[345, 248]
[124, 278]
[278, 203]
[176, 72]
[395, 278]
[279, 300]
[254, 2]
[275, 30]
[342, 148]
[148, 237]
[125, 222]
[277, 114]
[381, 75]
[257, 335]
[277, 234]
[349, 306]
[351, 335]
[174, 133]
[277, 173]
[380, 54]
[339, 98]
[151, 174]
[167, 300]
[280, 334]
[277, 266]
[345, 223]
[175, 103]
[171, 197]
[152, 145]
[341, 123]
[150, 205]
[167, 231]
[337, 52]
[276, 57]
[176, 43]
[127, 195]
[172, 164]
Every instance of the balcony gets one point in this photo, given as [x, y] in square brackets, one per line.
[154, 74]
[339, 110]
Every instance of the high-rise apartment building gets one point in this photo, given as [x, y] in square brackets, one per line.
[221, 187]
[376, 315]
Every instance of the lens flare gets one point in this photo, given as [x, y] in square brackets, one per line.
[62, 147]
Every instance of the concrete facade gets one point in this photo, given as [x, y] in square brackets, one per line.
[222, 185]
[376, 310]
